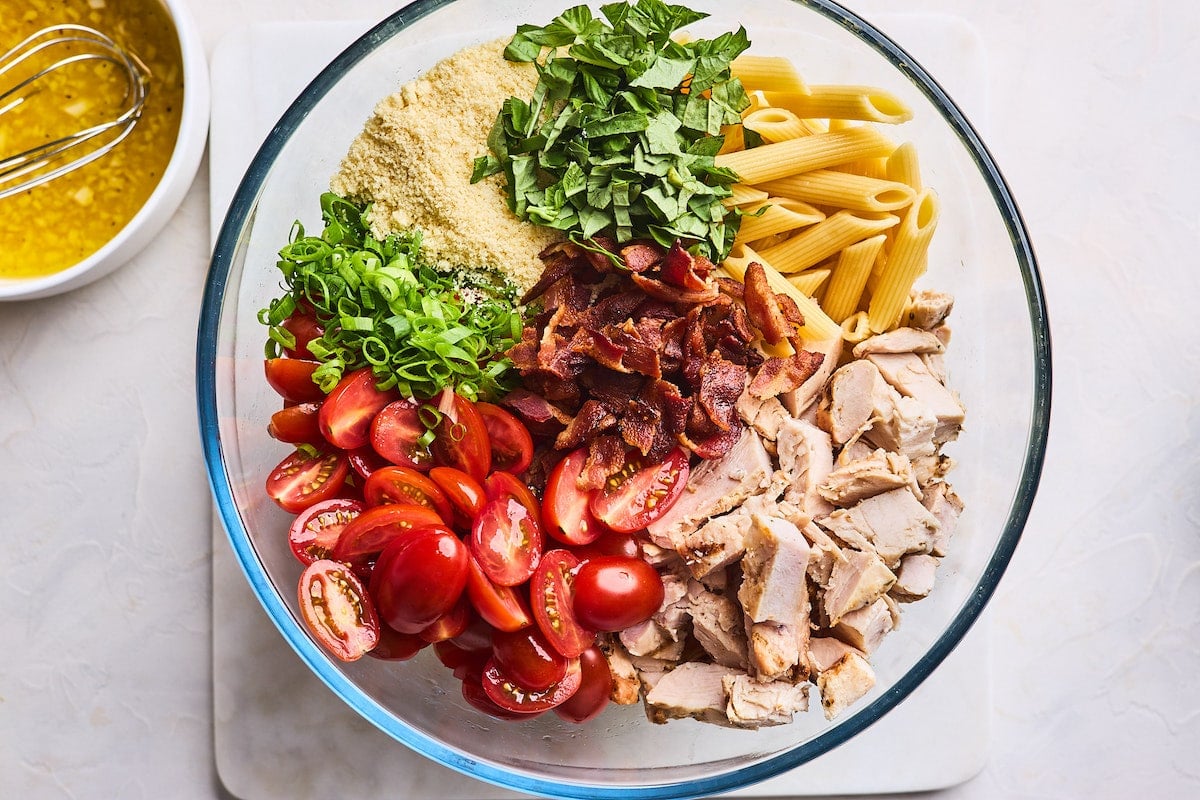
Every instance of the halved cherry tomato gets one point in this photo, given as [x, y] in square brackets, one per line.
[550, 594]
[394, 484]
[527, 658]
[565, 506]
[611, 593]
[316, 529]
[418, 579]
[397, 646]
[376, 527]
[500, 485]
[305, 328]
[296, 424]
[456, 658]
[474, 694]
[303, 479]
[460, 437]
[506, 540]
[292, 379]
[396, 432]
[477, 636]
[500, 606]
[593, 693]
[450, 624]
[364, 461]
[465, 493]
[512, 446]
[640, 493]
[610, 543]
[347, 412]
[508, 694]
[337, 609]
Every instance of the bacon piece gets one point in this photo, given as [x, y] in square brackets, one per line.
[640, 426]
[791, 312]
[721, 383]
[783, 374]
[606, 457]
[641, 256]
[561, 260]
[601, 262]
[524, 353]
[714, 445]
[680, 268]
[763, 307]
[673, 294]
[730, 287]
[590, 421]
[614, 389]
[539, 415]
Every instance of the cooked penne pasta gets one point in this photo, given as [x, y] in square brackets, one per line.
[778, 215]
[855, 327]
[903, 167]
[734, 140]
[905, 262]
[767, 73]
[777, 124]
[864, 103]
[823, 187]
[744, 195]
[810, 282]
[781, 159]
[817, 324]
[849, 277]
[818, 242]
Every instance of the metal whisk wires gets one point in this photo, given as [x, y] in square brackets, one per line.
[43, 54]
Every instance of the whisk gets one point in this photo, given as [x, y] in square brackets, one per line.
[58, 48]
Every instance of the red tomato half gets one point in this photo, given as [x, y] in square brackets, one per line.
[508, 694]
[640, 494]
[337, 610]
[594, 692]
[364, 461]
[450, 624]
[503, 485]
[527, 658]
[499, 606]
[507, 541]
[465, 493]
[297, 424]
[611, 593]
[396, 432]
[565, 510]
[473, 692]
[292, 379]
[302, 480]
[418, 579]
[347, 412]
[396, 646]
[550, 594]
[512, 446]
[393, 484]
[305, 328]
[610, 543]
[316, 529]
[375, 528]
[460, 438]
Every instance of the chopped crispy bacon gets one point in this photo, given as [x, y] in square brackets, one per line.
[662, 290]
[606, 456]
[640, 425]
[721, 384]
[680, 268]
[591, 420]
[641, 256]
[599, 261]
[762, 306]
[539, 415]
[779, 375]
[614, 389]
[730, 287]
[791, 311]
[713, 445]
[561, 261]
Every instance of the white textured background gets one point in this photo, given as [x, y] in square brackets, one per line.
[105, 687]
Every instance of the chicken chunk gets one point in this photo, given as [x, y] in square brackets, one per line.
[879, 472]
[806, 459]
[856, 581]
[844, 684]
[912, 378]
[718, 627]
[946, 506]
[914, 579]
[865, 628]
[773, 571]
[774, 648]
[798, 401]
[626, 688]
[754, 704]
[900, 340]
[693, 690]
[826, 651]
[894, 523]
[928, 309]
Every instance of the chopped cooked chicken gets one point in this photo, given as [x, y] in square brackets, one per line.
[845, 683]
[936, 364]
[715, 544]
[714, 487]
[866, 627]
[900, 340]
[764, 416]
[824, 554]
[825, 651]
[857, 397]
[626, 687]
[945, 506]
[854, 450]
[914, 579]
[894, 523]
[753, 704]
[931, 468]
[909, 430]
[806, 459]
[690, 690]
[645, 638]
[673, 615]
[798, 400]
[857, 580]
[773, 571]
[879, 472]
[718, 627]
[909, 375]
[927, 309]
[775, 648]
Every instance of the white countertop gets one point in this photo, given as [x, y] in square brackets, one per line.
[105, 682]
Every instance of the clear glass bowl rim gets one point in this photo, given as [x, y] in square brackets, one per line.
[241, 209]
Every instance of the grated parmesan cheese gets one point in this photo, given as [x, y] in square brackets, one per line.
[413, 161]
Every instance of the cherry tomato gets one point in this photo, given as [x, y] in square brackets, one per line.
[296, 424]
[292, 379]
[305, 328]
[512, 446]
[527, 658]
[477, 636]
[376, 527]
[550, 594]
[396, 646]
[465, 493]
[510, 695]
[450, 624]
[507, 541]
[364, 461]
[473, 692]
[418, 579]
[565, 507]
[337, 610]
[594, 692]
[394, 484]
[316, 529]
[302, 480]
[396, 432]
[610, 543]
[456, 658]
[503, 485]
[640, 493]
[614, 592]
[500, 606]
[460, 437]
[347, 412]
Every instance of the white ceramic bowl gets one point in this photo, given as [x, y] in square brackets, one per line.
[166, 197]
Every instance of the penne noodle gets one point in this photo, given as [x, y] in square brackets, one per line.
[818, 242]
[823, 187]
[849, 277]
[744, 195]
[778, 215]
[863, 103]
[855, 327]
[817, 324]
[734, 141]
[810, 282]
[781, 159]
[767, 73]
[905, 262]
[903, 167]
[777, 124]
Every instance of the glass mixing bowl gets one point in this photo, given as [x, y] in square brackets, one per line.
[999, 362]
